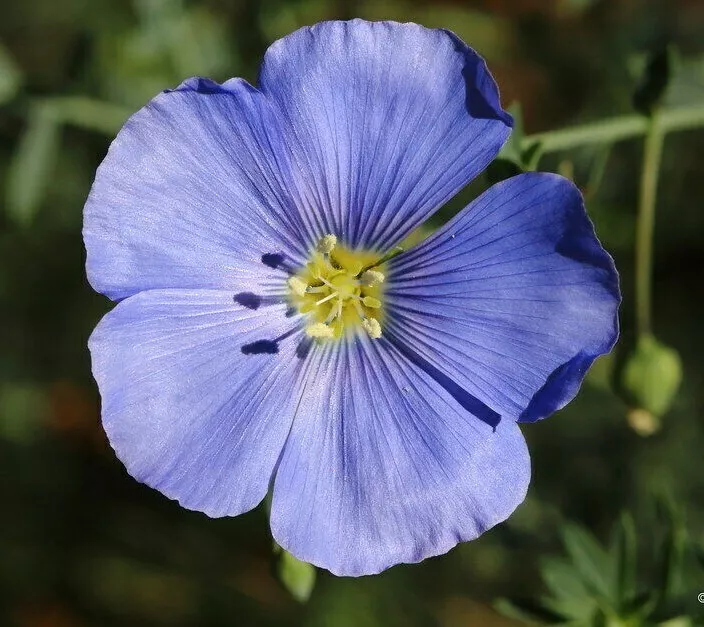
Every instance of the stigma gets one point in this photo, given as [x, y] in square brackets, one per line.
[339, 290]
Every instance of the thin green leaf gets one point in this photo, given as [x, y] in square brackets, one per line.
[516, 112]
[511, 150]
[571, 598]
[673, 548]
[530, 156]
[624, 559]
[529, 611]
[10, 76]
[32, 163]
[563, 580]
[590, 560]
[297, 577]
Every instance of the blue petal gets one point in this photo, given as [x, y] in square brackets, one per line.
[198, 394]
[512, 300]
[192, 194]
[387, 122]
[383, 466]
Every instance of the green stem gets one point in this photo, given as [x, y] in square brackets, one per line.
[396, 250]
[646, 221]
[616, 129]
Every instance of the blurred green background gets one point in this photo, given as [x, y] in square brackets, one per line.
[82, 544]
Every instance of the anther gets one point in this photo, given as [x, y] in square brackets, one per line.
[370, 301]
[327, 244]
[372, 326]
[297, 286]
[371, 278]
[320, 330]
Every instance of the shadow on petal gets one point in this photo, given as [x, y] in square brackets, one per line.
[304, 347]
[248, 300]
[267, 347]
[261, 347]
[471, 403]
[276, 261]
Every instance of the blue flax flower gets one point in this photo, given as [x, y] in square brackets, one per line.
[265, 337]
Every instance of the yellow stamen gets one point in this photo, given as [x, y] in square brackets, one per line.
[358, 307]
[334, 293]
[326, 299]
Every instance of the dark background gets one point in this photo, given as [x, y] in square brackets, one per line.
[82, 544]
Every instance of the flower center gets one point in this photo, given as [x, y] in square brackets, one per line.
[339, 289]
